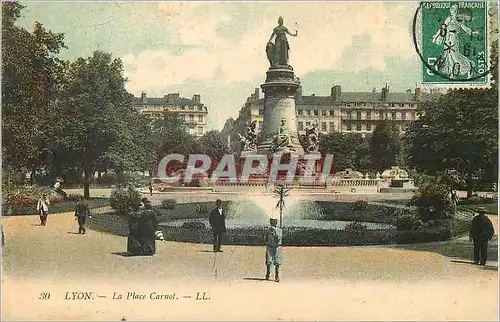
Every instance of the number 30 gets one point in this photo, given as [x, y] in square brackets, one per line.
[44, 296]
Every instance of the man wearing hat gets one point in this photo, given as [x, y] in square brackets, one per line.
[481, 232]
[274, 252]
[217, 221]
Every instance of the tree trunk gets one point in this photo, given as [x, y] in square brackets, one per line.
[470, 185]
[86, 183]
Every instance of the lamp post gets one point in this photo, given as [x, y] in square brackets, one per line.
[281, 193]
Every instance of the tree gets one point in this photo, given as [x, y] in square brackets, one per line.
[384, 146]
[214, 145]
[96, 125]
[31, 74]
[459, 131]
[350, 150]
[170, 135]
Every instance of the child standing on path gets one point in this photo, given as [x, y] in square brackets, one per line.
[274, 251]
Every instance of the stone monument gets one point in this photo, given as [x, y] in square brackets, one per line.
[279, 129]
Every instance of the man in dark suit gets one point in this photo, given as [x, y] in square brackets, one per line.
[81, 213]
[217, 220]
[481, 232]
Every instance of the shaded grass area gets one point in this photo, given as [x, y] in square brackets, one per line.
[65, 206]
[458, 248]
[348, 211]
[491, 208]
[403, 202]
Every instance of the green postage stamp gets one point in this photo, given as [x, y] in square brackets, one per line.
[454, 42]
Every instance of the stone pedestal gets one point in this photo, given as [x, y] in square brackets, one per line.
[279, 103]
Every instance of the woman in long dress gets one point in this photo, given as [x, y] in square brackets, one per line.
[452, 63]
[281, 46]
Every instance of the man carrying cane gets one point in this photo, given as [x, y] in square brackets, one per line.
[81, 213]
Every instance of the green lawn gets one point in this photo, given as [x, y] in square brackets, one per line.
[65, 206]
[492, 208]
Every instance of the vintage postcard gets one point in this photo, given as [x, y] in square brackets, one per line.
[253, 160]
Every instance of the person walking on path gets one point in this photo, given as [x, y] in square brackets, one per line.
[150, 186]
[274, 251]
[481, 232]
[81, 213]
[43, 208]
[217, 220]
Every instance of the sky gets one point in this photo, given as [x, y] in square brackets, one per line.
[217, 49]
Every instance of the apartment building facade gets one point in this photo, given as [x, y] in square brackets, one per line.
[193, 112]
[346, 112]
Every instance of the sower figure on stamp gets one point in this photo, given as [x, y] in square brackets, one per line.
[217, 220]
[81, 213]
[43, 208]
[481, 232]
[274, 251]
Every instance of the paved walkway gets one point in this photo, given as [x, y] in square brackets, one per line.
[318, 283]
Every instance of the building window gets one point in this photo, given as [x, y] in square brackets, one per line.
[200, 118]
[380, 115]
[261, 112]
[358, 115]
[368, 115]
[309, 112]
[358, 127]
[323, 113]
[191, 117]
[300, 126]
[413, 116]
[323, 126]
[316, 112]
[403, 116]
[393, 115]
[349, 127]
[349, 115]
[331, 113]
[332, 127]
[299, 112]
[368, 127]
[200, 130]
[308, 123]
[260, 124]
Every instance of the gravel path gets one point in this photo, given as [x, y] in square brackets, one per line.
[318, 283]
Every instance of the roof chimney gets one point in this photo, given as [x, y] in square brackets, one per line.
[385, 92]
[256, 93]
[171, 98]
[196, 98]
[336, 92]
[143, 97]
[298, 94]
[418, 94]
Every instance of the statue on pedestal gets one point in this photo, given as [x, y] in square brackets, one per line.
[283, 140]
[277, 53]
[249, 140]
[311, 141]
